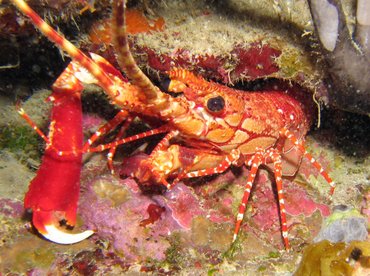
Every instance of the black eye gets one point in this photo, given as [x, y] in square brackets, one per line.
[216, 104]
[165, 84]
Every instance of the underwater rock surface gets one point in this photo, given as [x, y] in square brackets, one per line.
[188, 229]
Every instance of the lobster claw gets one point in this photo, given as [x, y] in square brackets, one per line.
[53, 196]
[54, 192]
[47, 225]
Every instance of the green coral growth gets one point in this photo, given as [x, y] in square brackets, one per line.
[22, 141]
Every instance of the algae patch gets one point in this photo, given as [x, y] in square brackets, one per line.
[20, 140]
[325, 258]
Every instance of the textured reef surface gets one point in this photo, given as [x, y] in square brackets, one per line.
[189, 228]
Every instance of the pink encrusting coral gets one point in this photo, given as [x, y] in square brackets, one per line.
[251, 62]
[183, 204]
[255, 61]
[11, 208]
[117, 208]
[299, 202]
[143, 225]
[91, 122]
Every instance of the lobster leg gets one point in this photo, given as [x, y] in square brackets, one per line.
[264, 157]
[119, 136]
[112, 124]
[254, 162]
[118, 142]
[120, 116]
[24, 115]
[276, 158]
[289, 135]
[224, 164]
[161, 164]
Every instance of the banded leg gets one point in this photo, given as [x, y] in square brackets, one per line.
[116, 143]
[119, 136]
[289, 135]
[264, 157]
[118, 118]
[276, 158]
[106, 128]
[254, 162]
[27, 118]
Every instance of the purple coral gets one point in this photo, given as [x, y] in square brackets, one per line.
[344, 225]
[116, 209]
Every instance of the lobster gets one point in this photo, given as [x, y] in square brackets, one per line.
[208, 127]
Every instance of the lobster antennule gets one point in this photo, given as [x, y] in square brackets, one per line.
[125, 58]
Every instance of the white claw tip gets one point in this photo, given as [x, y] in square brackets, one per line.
[55, 235]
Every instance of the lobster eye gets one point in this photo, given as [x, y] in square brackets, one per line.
[216, 104]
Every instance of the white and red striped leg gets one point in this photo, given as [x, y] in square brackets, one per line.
[289, 135]
[24, 115]
[264, 157]
[119, 136]
[276, 158]
[116, 143]
[254, 163]
[118, 118]
[106, 128]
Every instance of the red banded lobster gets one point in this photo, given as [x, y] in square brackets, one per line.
[209, 127]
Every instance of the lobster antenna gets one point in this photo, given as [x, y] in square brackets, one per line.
[76, 54]
[125, 58]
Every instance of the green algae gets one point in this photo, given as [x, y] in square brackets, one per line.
[207, 233]
[173, 253]
[106, 188]
[341, 215]
[27, 253]
[236, 247]
[329, 259]
[20, 140]
[291, 63]
[274, 254]
[212, 271]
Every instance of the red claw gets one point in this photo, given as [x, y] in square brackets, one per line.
[53, 194]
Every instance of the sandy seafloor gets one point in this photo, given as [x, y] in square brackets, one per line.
[341, 143]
